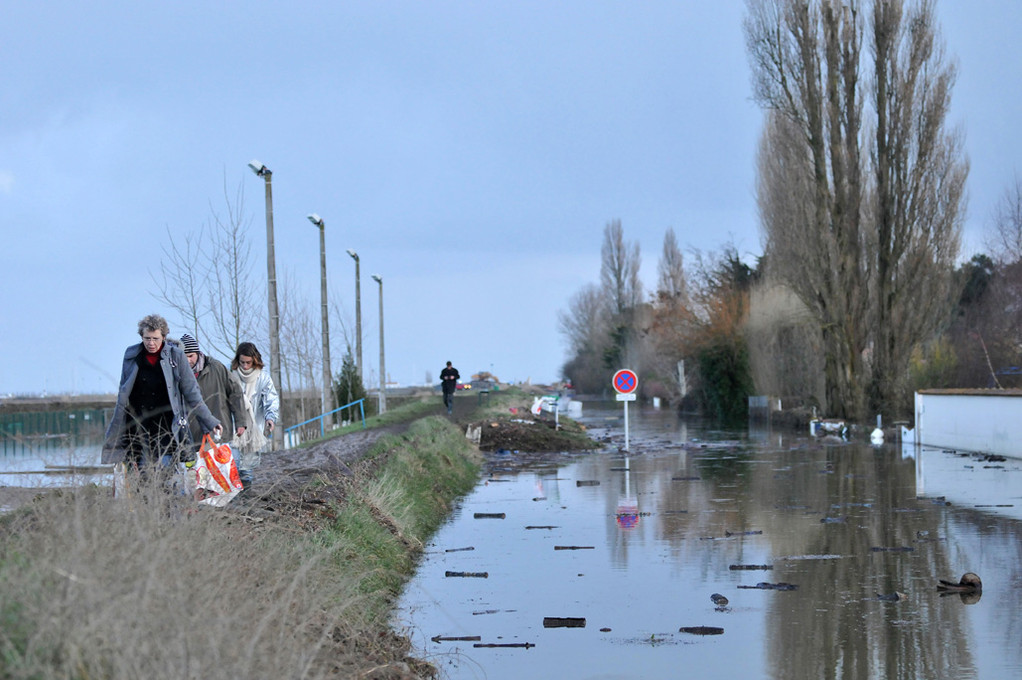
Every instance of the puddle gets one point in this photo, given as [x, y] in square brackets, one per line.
[626, 556]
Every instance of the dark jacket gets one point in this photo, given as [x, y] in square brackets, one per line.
[182, 391]
[449, 379]
[224, 396]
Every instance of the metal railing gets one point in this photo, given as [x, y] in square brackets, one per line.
[289, 436]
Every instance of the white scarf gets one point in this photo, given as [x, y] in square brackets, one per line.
[253, 438]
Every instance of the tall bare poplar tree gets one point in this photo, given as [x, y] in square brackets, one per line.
[861, 206]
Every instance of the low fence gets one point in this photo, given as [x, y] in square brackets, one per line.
[296, 434]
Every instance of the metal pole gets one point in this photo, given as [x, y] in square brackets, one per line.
[383, 366]
[358, 315]
[626, 425]
[271, 292]
[327, 373]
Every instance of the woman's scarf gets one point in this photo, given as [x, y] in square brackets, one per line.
[253, 439]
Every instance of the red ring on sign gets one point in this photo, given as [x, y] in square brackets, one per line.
[625, 381]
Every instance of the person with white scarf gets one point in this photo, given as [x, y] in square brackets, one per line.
[263, 405]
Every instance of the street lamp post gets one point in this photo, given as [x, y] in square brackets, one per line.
[383, 366]
[358, 314]
[328, 402]
[271, 291]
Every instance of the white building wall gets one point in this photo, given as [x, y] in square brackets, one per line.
[980, 421]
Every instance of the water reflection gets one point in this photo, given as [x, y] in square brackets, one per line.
[694, 512]
[52, 449]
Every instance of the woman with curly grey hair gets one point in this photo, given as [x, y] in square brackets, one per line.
[157, 392]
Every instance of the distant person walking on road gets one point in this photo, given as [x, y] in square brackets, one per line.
[449, 381]
[263, 403]
[221, 390]
[155, 396]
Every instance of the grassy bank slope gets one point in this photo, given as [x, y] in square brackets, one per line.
[151, 587]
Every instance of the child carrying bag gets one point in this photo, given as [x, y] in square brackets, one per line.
[216, 474]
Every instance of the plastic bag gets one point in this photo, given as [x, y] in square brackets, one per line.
[216, 474]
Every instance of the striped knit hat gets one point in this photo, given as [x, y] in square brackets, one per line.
[189, 344]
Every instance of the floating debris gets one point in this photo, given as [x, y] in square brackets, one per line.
[675, 512]
[564, 622]
[460, 549]
[587, 482]
[489, 515]
[743, 533]
[686, 479]
[486, 611]
[467, 574]
[998, 505]
[892, 597]
[719, 600]
[763, 585]
[539, 498]
[750, 567]
[461, 638]
[902, 548]
[492, 645]
[542, 527]
[701, 630]
[605, 630]
[574, 547]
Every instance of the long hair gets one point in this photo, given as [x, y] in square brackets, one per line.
[249, 350]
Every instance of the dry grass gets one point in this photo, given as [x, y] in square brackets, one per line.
[152, 587]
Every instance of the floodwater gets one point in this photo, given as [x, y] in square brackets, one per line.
[53, 449]
[630, 548]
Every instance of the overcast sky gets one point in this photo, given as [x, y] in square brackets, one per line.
[471, 152]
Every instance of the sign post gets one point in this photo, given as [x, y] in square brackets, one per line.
[625, 382]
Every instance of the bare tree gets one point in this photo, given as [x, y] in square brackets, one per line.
[919, 171]
[181, 284]
[205, 276]
[861, 218]
[619, 270]
[234, 296]
[671, 284]
[1004, 236]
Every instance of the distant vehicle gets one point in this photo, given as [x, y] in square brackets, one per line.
[464, 386]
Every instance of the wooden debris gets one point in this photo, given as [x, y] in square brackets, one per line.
[489, 515]
[564, 622]
[750, 567]
[574, 547]
[467, 574]
[587, 482]
[541, 527]
[520, 645]
[462, 638]
[459, 549]
[701, 630]
[763, 585]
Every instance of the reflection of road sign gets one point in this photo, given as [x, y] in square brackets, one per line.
[625, 381]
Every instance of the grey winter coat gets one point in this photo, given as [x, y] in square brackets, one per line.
[184, 393]
[225, 397]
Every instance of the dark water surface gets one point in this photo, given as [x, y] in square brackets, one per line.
[663, 528]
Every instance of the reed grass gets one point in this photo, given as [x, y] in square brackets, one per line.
[152, 586]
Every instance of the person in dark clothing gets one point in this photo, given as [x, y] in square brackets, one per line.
[449, 381]
[221, 391]
[156, 394]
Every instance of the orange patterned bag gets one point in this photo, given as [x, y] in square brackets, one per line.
[216, 474]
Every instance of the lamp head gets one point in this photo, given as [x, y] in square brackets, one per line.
[316, 219]
[353, 254]
[259, 169]
[378, 279]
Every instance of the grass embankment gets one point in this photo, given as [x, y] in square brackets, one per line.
[149, 587]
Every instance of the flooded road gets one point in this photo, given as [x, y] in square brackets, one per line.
[809, 542]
